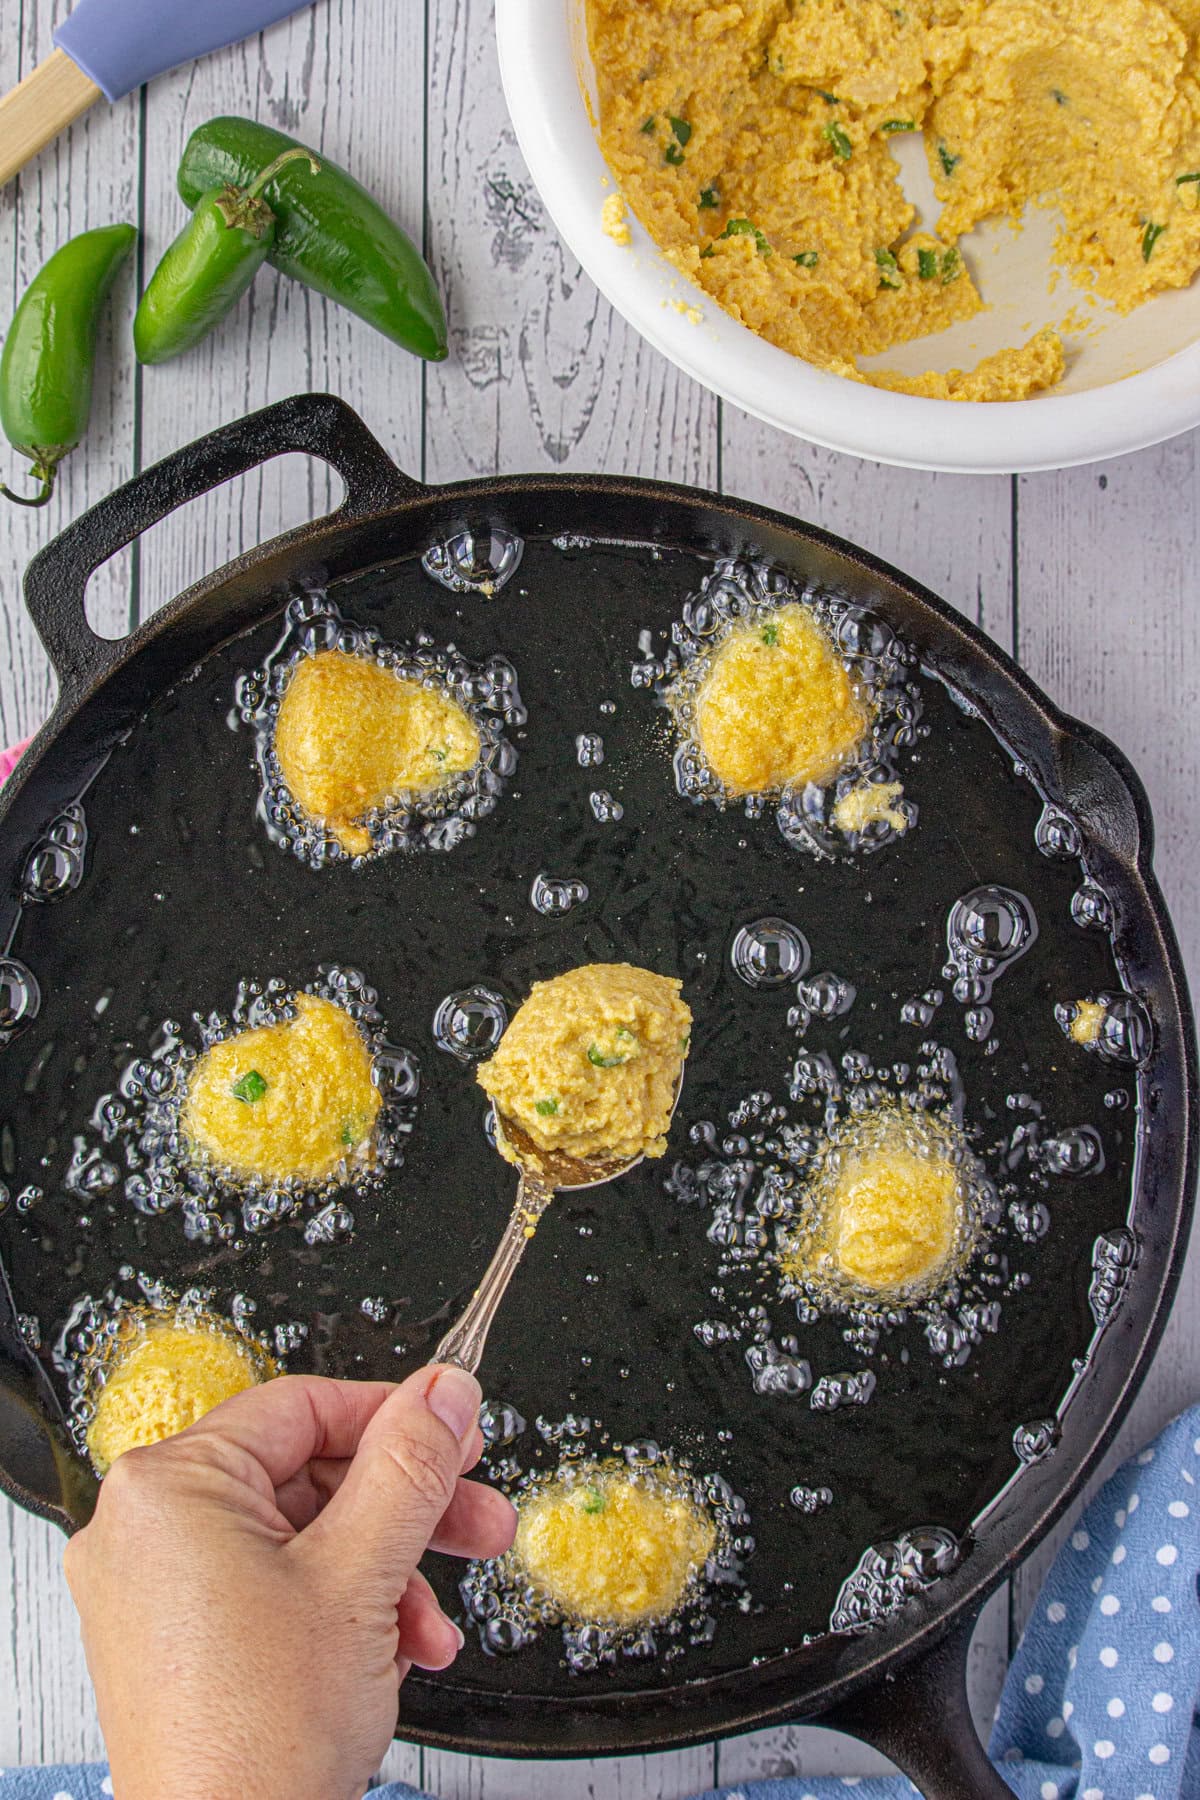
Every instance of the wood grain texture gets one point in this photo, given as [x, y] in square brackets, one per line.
[1108, 625]
[349, 81]
[88, 177]
[542, 375]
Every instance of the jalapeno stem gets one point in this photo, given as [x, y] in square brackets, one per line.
[39, 473]
[272, 169]
[244, 209]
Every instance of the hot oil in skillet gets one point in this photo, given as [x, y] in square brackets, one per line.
[183, 897]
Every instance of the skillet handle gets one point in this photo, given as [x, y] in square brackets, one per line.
[313, 424]
[921, 1719]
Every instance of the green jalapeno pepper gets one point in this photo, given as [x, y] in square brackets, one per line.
[209, 266]
[49, 354]
[331, 234]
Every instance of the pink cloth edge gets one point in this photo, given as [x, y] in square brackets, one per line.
[9, 758]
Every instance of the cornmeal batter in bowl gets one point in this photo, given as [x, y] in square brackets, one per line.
[753, 140]
[602, 1544]
[159, 1372]
[352, 735]
[290, 1101]
[591, 1063]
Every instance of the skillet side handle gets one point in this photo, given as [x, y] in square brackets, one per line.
[311, 424]
[921, 1719]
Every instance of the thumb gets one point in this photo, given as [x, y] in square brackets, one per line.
[403, 1476]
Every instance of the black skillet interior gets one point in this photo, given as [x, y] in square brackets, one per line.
[183, 897]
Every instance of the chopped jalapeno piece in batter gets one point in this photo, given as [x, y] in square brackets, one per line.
[709, 197]
[547, 1108]
[843, 149]
[947, 159]
[593, 1500]
[681, 128]
[744, 228]
[927, 264]
[898, 125]
[889, 270]
[1150, 237]
[808, 259]
[770, 634]
[250, 1088]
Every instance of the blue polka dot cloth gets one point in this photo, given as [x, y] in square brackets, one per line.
[1101, 1699]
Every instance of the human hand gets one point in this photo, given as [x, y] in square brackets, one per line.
[249, 1589]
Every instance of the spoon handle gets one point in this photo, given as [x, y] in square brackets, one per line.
[463, 1344]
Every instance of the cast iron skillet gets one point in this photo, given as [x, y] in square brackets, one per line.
[902, 1685]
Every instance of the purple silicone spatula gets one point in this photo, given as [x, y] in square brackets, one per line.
[110, 47]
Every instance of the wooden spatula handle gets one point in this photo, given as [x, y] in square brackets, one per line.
[45, 103]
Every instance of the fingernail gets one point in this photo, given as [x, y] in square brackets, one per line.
[455, 1399]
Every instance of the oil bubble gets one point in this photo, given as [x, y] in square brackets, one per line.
[1091, 908]
[921, 1010]
[825, 996]
[469, 1023]
[1034, 1441]
[1031, 1220]
[770, 953]
[1056, 833]
[889, 1574]
[832, 1391]
[987, 931]
[1114, 1257]
[330, 1225]
[56, 862]
[500, 1423]
[712, 1332]
[811, 1500]
[554, 895]
[589, 749]
[774, 1370]
[605, 810]
[20, 998]
[475, 562]
[1076, 1151]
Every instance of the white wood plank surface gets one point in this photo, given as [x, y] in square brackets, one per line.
[1088, 575]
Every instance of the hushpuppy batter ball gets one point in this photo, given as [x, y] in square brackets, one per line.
[352, 735]
[590, 1064]
[605, 1546]
[886, 1214]
[777, 707]
[290, 1100]
[162, 1372]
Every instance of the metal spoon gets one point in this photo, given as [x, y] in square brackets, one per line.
[543, 1173]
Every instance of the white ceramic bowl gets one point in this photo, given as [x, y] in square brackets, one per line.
[1133, 381]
